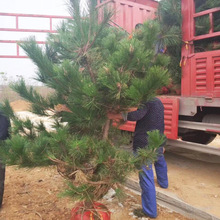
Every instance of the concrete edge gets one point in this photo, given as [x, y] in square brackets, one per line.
[174, 204]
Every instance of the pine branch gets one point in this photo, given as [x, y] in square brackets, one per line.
[7, 110]
[39, 104]
[74, 10]
[46, 73]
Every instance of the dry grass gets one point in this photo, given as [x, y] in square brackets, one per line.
[7, 93]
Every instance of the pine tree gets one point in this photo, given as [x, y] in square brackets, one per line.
[93, 69]
[202, 5]
[170, 38]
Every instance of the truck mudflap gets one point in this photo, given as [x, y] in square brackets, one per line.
[171, 116]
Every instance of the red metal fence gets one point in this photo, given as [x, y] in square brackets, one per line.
[128, 14]
[49, 20]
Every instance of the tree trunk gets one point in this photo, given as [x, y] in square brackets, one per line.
[106, 129]
[91, 73]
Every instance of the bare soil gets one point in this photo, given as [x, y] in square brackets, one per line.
[20, 105]
[195, 182]
[34, 193]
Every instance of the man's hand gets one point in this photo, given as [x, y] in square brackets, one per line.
[124, 116]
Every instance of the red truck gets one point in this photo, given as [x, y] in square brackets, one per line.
[194, 116]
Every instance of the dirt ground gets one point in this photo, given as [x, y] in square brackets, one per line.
[195, 182]
[20, 105]
[34, 193]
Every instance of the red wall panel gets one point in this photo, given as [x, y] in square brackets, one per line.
[131, 12]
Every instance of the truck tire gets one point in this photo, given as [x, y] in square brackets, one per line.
[202, 137]
[2, 181]
[199, 137]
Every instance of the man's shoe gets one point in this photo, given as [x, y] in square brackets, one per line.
[140, 213]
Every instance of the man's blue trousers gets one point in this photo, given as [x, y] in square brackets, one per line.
[146, 177]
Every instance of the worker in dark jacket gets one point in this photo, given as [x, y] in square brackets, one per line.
[4, 134]
[149, 117]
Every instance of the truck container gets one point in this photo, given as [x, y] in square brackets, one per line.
[195, 114]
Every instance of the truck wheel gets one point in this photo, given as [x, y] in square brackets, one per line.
[199, 137]
[2, 181]
[202, 137]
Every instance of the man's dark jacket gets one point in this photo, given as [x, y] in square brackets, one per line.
[4, 134]
[4, 127]
[149, 117]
